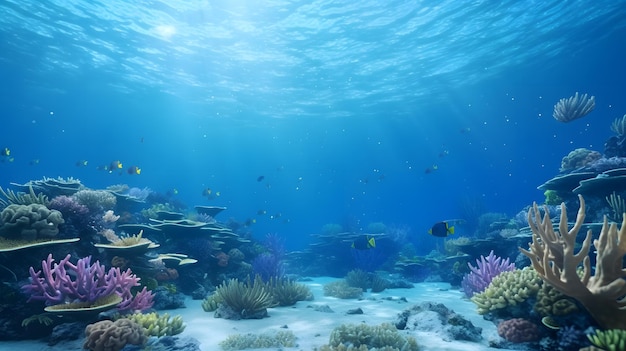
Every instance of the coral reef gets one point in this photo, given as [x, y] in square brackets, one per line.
[279, 339]
[29, 222]
[96, 200]
[508, 289]
[553, 256]
[486, 269]
[578, 158]
[519, 330]
[365, 337]
[113, 336]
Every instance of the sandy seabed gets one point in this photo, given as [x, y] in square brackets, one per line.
[312, 328]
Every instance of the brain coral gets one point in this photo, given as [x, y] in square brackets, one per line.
[579, 158]
[29, 222]
[113, 336]
[508, 289]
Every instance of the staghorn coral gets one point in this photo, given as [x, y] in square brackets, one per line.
[85, 283]
[247, 300]
[158, 325]
[113, 336]
[342, 290]
[29, 222]
[508, 289]
[554, 257]
[578, 158]
[279, 339]
[364, 337]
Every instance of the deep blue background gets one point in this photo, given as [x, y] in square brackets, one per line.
[341, 107]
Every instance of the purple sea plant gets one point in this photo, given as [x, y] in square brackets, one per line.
[486, 269]
[65, 282]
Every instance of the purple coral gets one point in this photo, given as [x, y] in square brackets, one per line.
[486, 269]
[64, 282]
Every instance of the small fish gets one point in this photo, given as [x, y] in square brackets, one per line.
[431, 169]
[82, 163]
[34, 162]
[5, 152]
[261, 212]
[465, 130]
[276, 216]
[249, 222]
[115, 165]
[444, 153]
[134, 170]
[441, 230]
[207, 192]
[172, 192]
[260, 178]
[364, 243]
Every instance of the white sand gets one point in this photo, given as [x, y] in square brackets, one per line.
[313, 328]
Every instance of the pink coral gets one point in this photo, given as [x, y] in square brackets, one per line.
[519, 330]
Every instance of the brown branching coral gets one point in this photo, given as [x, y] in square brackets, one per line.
[554, 257]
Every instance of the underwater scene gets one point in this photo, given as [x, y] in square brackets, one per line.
[312, 175]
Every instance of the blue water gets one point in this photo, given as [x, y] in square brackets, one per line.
[340, 105]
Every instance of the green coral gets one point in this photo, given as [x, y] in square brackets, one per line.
[247, 299]
[552, 198]
[155, 325]
[286, 292]
[342, 290]
[508, 289]
[278, 339]
[610, 340]
[211, 303]
[358, 278]
[579, 158]
[551, 302]
[363, 337]
[29, 222]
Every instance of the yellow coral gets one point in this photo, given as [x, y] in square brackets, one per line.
[155, 325]
[508, 289]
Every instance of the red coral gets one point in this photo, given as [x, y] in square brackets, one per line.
[166, 274]
[222, 259]
[519, 330]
